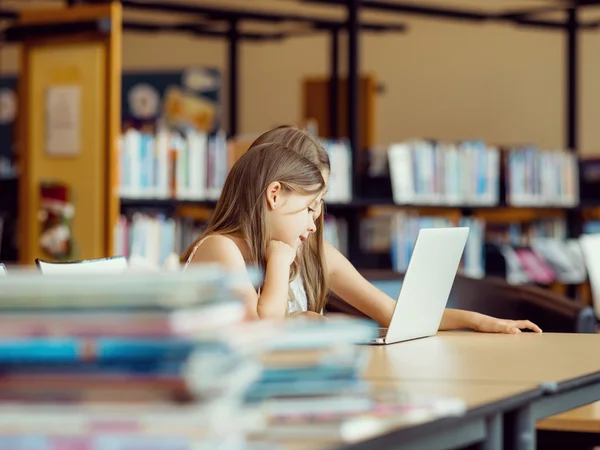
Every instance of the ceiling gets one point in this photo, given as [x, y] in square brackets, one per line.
[548, 10]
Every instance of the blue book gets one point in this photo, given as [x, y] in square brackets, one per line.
[100, 349]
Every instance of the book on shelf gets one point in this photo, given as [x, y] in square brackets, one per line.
[405, 229]
[591, 227]
[155, 236]
[438, 173]
[339, 186]
[188, 165]
[192, 165]
[538, 252]
[536, 177]
[336, 233]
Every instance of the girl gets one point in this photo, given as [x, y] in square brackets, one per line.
[270, 214]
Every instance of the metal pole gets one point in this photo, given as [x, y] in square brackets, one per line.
[572, 80]
[353, 94]
[354, 252]
[233, 54]
[572, 100]
[334, 92]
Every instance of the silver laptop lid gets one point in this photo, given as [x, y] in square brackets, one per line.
[427, 283]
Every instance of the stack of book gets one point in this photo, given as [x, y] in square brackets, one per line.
[537, 252]
[192, 165]
[158, 361]
[313, 358]
[152, 237]
[155, 236]
[405, 229]
[311, 387]
[537, 177]
[189, 165]
[438, 173]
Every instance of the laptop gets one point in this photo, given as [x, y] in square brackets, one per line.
[427, 284]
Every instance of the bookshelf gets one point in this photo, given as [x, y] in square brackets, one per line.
[82, 19]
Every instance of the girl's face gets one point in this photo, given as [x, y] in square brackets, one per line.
[291, 217]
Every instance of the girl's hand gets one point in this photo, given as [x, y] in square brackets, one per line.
[308, 315]
[281, 253]
[493, 325]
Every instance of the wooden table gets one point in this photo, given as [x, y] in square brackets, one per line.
[581, 420]
[575, 429]
[523, 358]
[564, 367]
[482, 424]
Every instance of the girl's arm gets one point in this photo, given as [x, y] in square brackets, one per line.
[273, 301]
[347, 283]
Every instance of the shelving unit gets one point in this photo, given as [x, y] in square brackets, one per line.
[223, 22]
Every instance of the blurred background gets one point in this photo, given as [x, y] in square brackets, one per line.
[119, 122]
[460, 113]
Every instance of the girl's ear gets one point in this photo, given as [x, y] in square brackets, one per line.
[274, 194]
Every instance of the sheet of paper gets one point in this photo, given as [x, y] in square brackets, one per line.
[63, 127]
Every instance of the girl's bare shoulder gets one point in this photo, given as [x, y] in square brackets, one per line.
[221, 249]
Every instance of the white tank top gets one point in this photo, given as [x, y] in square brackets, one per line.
[298, 304]
[300, 301]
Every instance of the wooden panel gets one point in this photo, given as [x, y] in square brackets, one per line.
[316, 107]
[68, 15]
[82, 65]
[591, 214]
[91, 62]
[514, 215]
[452, 214]
[200, 213]
[113, 128]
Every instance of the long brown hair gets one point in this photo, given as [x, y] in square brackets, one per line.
[311, 260]
[242, 205]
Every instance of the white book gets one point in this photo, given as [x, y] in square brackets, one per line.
[440, 162]
[162, 175]
[154, 241]
[425, 157]
[341, 165]
[474, 264]
[132, 144]
[123, 168]
[181, 167]
[452, 175]
[147, 171]
[401, 174]
[197, 164]
[493, 176]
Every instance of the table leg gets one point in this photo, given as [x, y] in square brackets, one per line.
[520, 429]
[494, 438]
